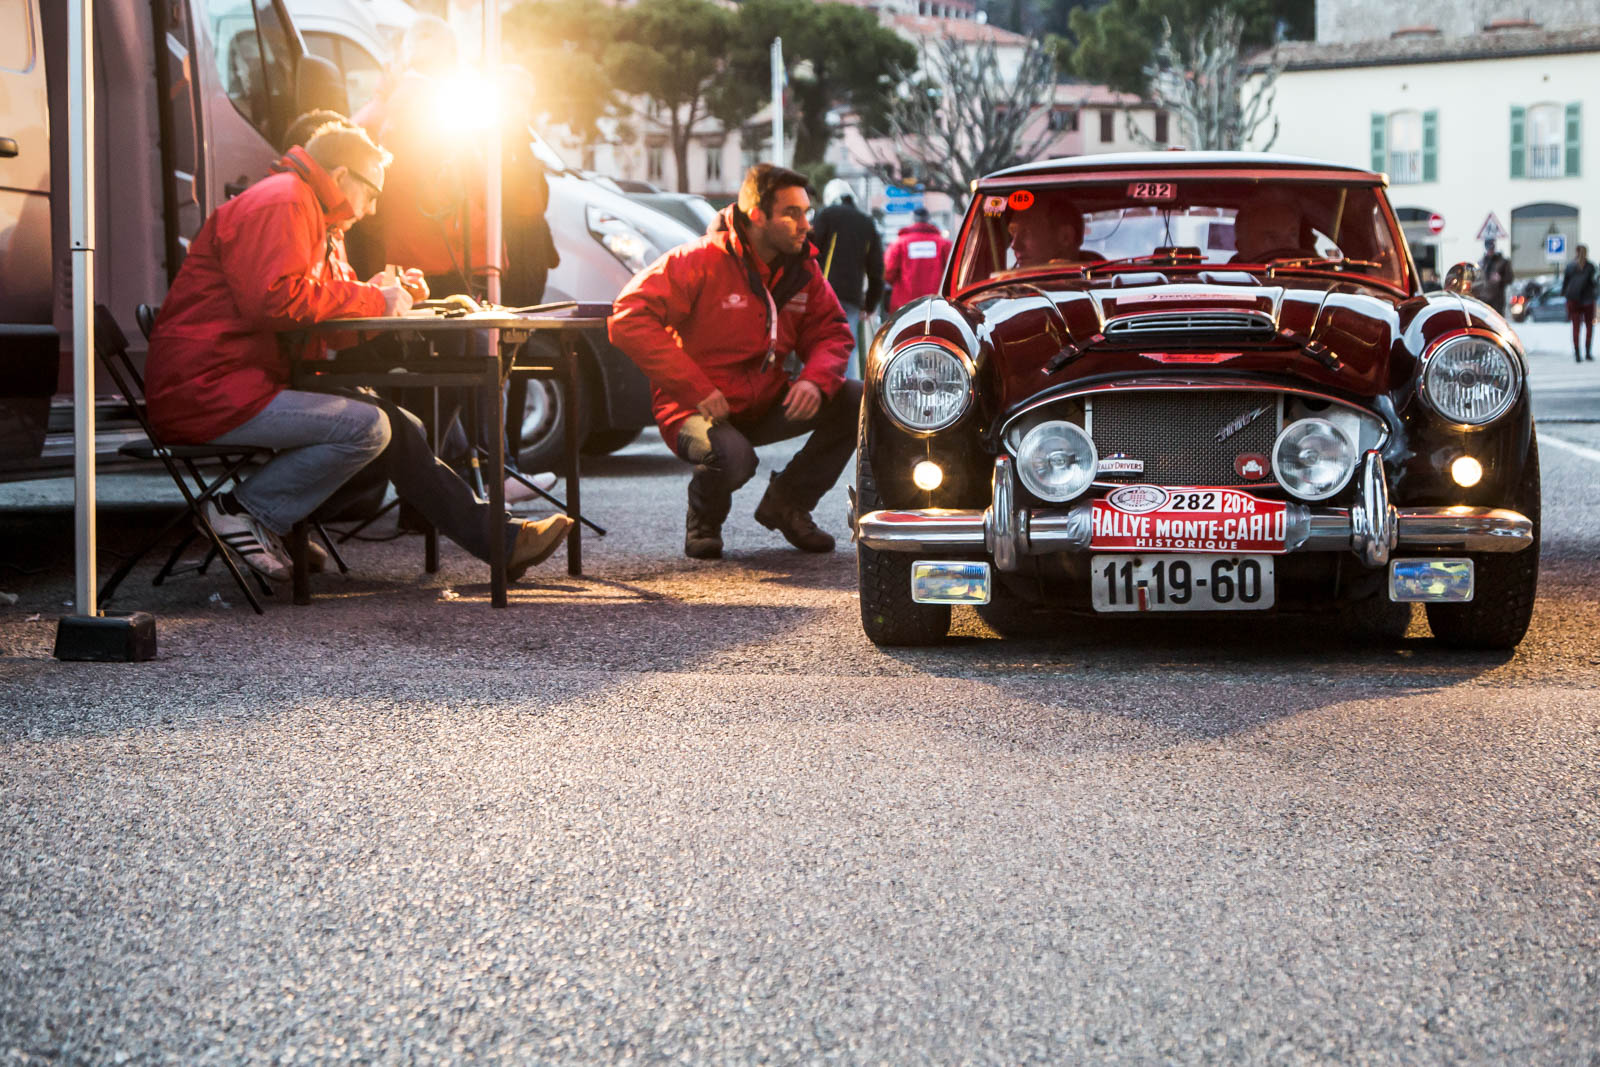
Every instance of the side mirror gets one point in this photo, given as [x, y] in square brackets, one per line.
[1461, 278]
[318, 83]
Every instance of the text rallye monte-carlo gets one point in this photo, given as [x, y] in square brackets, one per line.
[1195, 382]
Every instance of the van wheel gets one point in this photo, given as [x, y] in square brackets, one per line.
[1504, 586]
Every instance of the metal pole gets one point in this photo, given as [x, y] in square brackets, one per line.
[80, 170]
[778, 154]
[493, 225]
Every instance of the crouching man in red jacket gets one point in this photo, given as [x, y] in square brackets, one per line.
[269, 260]
[709, 323]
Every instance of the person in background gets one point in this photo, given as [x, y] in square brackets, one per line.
[915, 261]
[219, 368]
[1494, 276]
[709, 323]
[1578, 286]
[852, 259]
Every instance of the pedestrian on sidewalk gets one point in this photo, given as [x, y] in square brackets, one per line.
[1578, 285]
[852, 258]
[709, 323]
[1494, 276]
[915, 261]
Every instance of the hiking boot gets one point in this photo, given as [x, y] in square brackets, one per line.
[535, 541]
[777, 513]
[702, 538]
[316, 556]
[255, 546]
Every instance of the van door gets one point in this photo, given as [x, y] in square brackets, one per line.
[28, 341]
[24, 167]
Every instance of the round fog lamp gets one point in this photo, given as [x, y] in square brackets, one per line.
[927, 475]
[1313, 459]
[1056, 461]
[1466, 471]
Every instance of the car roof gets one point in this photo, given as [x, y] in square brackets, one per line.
[1178, 160]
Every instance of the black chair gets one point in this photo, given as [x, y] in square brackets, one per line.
[199, 471]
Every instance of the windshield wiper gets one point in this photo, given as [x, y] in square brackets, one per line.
[1163, 258]
[1310, 262]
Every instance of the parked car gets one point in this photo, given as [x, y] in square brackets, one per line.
[1172, 425]
[603, 236]
[1546, 306]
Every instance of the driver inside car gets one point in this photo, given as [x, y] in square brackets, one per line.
[1048, 232]
[1269, 227]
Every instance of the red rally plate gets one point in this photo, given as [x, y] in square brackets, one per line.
[1154, 518]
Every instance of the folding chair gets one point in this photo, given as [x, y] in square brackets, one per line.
[226, 461]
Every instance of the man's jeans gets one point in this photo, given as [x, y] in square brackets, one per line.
[323, 439]
[724, 455]
[852, 318]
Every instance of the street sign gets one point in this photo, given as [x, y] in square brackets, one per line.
[895, 192]
[1555, 247]
[1435, 223]
[903, 205]
[1491, 230]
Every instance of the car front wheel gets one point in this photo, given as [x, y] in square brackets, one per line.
[1505, 585]
[888, 614]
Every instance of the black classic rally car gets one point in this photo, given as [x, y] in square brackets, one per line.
[1195, 382]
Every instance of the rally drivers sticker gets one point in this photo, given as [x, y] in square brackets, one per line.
[994, 206]
[1145, 518]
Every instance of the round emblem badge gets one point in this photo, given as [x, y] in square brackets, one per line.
[1251, 466]
[1021, 200]
[1138, 499]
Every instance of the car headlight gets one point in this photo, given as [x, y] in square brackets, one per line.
[1470, 380]
[926, 387]
[1313, 458]
[1056, 461]
[621, 238]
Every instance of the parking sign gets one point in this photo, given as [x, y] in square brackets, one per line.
[1555, 247]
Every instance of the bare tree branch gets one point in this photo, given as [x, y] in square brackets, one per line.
[1206, 94]
[965, 118]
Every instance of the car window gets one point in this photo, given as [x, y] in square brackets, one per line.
[16, 34]
[362, 73]
[1181, 223]
[256, 68]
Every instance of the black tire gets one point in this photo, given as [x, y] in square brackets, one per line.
[544, 424]
[1505, 585]
[605, 442]
[888, 614]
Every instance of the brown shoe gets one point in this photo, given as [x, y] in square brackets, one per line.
[535, 541]
[702, 538]
[776, 513]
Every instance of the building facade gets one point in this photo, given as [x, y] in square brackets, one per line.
[1481, 135]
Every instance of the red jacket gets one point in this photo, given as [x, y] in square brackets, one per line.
[265, 261]
[915, 263]
[697, 319]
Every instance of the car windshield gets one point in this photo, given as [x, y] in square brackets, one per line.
[1097, 228]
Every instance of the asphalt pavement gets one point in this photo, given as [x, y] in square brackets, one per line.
[682, 811]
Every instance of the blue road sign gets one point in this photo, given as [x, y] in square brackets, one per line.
[903, 205]
[1555, 246]
[895, 192]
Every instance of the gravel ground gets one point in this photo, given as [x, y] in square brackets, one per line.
[684, 811]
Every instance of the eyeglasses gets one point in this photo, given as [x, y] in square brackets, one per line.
[377, 190]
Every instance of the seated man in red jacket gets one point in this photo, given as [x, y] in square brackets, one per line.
[709, 323]
[269, 260]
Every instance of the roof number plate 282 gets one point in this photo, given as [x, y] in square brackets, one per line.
[1158, 191]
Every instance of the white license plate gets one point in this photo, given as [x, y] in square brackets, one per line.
[1195, 582]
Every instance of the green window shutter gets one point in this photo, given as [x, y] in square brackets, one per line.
[1519, 147]
[1430, 146]
[1380, 127]
[1574, 139]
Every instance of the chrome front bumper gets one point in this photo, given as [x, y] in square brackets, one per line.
[1371, 529]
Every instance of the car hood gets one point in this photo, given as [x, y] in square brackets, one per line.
[1342, 337]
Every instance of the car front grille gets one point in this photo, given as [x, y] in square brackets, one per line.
[1233, 325]
[1174, 433]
